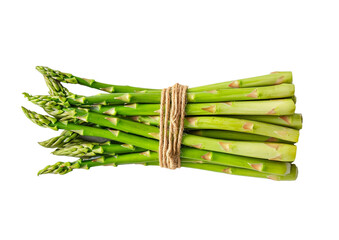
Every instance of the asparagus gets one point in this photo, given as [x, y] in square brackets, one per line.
[270, 151]
[239, 144]
[223, 95]
[234, 124]
[69, 78]
[90, 149]
[198, 154]
[56, 88]
[220, 134]
[274, 78]
[230, 135]
[265, 80]
[59, 141]
[292, 121]
[280, 107]
[240, 171]
[150, 158]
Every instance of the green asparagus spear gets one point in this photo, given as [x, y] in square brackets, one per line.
[274, 78]
[292, 121]
[69, 78]
[266, 107]
[233, 124]
[280, 107]
[239, 171]
[223, 95]
[238, 136]
[150, 158]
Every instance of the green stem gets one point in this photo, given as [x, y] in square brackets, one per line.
[150, 158]
[292, 121]
[237, 136]
[232, 124]
[266, 107]
[220, 134]
[292, 176]
[269, 108]
[265, 80]
[69, 78]
[223, 95]
[274, 78]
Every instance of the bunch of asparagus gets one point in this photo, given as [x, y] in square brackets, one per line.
[244, 127]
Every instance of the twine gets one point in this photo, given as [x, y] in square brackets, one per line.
[172, 116]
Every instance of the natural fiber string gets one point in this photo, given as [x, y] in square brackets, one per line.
[172, 114]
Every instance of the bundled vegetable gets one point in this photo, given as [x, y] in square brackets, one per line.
[244, 127]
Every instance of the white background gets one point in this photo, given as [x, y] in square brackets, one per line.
[156, 44]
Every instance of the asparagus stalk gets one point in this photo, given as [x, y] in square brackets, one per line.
[238, 136]
[274, 78]
[265, 80]
[69, 78]
[90, 149]
[240, 171]
[270, 151]
[280, 107]
[292, 121]
[220, 134]
[234, 124]
[198, 154]
[150, 158]
[266, 107]
[223, 95]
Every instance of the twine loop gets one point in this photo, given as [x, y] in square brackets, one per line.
[172, 116]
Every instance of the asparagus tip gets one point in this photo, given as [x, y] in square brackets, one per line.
[26, 94]
[41, 69]
[58, 168]
[39, 119]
